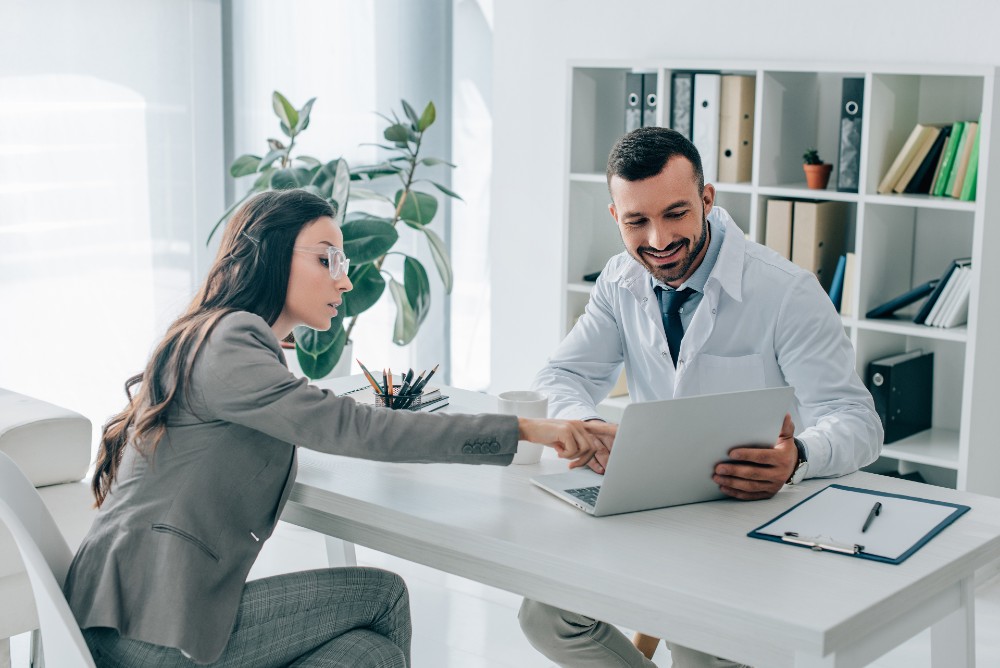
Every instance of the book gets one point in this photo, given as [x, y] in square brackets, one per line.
[736, 128]
[948, 159]
[971, 175]
[903, 300]
[837, 285]
[961, 164]
[819, 235]
[944, 297]
[925, 310]
[922, 178]
[927, 140]
[847, 301]
[778, 227]
[431, 399]
[959, 314]
[954, 302]
[862, 523]
[902, 160]
[705, 122]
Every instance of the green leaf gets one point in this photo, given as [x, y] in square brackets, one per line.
[397, 133]
[318, 352]
[341, 188]
[440, 254]
[368, 288]
[285, 111]
[309, 160]
[418, 207]
[411, 114]
[447, 191]
[275, 145]
[244, 165]
[427, 118]
[406, 320]
[303, 114]
[374, 171]
[271, 157]
[292, 177]
[263, 181]
[368, 238]
[418, 288]
[366, 193]
[431, 162]
[286, 129]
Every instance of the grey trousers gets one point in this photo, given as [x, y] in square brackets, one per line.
[344, 617]
[576, 641]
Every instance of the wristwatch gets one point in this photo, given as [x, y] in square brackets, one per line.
[799, 474]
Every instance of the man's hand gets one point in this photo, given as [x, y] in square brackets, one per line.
[571, 439]
[605, 434]
[758, 473]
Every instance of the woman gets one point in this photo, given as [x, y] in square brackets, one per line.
[193, 474]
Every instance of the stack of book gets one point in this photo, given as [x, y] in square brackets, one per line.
[947, 303]
[716, 112]
[940, 160]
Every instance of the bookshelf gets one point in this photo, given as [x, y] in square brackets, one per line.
[899, 240]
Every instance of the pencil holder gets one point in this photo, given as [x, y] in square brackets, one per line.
[394, 402]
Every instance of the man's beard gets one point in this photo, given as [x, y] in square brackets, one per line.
[677, 272]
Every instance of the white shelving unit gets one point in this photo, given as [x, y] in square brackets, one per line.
[899, 240]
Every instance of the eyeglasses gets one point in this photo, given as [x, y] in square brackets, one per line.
[336, 261]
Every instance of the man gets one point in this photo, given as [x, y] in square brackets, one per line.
[691, 307]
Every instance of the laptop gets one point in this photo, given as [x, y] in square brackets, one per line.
[665, 451]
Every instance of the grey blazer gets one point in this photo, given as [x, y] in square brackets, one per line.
[169, 552]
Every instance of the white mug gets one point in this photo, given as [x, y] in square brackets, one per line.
[529, 404]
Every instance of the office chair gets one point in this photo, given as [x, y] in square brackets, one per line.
[46, 559]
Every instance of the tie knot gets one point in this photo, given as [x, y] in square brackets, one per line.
[672, 300]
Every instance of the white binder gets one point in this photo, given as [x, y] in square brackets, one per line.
[705, 120]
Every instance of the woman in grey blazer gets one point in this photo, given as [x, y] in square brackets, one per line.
[193, 474]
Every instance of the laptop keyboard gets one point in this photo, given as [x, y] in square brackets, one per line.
[586, 494]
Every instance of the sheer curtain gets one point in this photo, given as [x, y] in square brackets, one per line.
[110, 163]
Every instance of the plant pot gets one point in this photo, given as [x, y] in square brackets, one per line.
[817, 176]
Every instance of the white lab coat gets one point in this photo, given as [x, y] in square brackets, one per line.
[762, 322]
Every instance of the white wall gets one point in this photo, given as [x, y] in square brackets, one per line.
[532, 43]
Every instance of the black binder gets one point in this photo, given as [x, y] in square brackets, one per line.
[682, 102]
[633, 101]
[851, 108]
[903, 388]
[649, 98]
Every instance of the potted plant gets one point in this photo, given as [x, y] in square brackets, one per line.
[817, 171]
[369, 235]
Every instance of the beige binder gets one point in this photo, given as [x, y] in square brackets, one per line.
[778, 230]
[736, 128]
[819, 237]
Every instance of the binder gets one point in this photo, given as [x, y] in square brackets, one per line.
[831, 520]
[650, 99]
[778, 230]
[851, 110]
[682, 102]
[902, 388]
[705, 122]
[819, 236]
[905, 299]
[736, 128]
[633, 101]
[925, 310]
[847, 302]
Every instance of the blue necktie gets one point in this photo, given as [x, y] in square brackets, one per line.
[671, 302]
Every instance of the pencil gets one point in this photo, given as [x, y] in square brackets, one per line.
[371, 378]
[372, 381]
[420, 388]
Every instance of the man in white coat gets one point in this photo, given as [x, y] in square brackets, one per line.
[692, 307]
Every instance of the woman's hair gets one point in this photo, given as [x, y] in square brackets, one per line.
[250, 273]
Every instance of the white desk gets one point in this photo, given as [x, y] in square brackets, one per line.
[688, 573]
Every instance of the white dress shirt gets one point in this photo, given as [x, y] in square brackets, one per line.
[762, 322]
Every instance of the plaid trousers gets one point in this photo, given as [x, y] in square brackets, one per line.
[337, 617]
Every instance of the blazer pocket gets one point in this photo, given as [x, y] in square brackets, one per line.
[180, 533]
[717, 374]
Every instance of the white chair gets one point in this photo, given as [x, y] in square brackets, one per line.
[46, 558]
[51, 446]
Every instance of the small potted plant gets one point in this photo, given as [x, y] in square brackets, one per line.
[817, 171]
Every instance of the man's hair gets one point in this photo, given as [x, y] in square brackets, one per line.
[644, 152]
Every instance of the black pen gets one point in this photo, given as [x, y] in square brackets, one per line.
[420, 388]
[414, 391]
[875, 512]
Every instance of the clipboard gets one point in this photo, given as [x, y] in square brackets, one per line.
[831, 520]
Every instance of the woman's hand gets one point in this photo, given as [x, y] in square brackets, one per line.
[569, 438]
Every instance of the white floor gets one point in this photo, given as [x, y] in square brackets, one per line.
[459, 623]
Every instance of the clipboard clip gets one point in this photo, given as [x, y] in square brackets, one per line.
[821, 543]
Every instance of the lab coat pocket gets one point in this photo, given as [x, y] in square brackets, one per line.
[730, 374]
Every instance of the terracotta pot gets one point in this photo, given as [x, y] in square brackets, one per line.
[817, 176]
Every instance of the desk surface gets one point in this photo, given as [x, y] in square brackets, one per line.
[683, 573]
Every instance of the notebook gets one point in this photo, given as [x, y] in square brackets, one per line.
[665, 452]
[431, 398]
